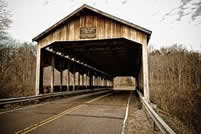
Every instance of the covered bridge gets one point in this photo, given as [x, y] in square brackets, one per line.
[94, 47]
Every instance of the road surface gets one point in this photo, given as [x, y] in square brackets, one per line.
[95, 113]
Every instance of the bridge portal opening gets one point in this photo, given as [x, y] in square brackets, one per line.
[124, 83]
[89, 48]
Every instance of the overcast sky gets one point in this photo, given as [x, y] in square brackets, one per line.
[171, 21]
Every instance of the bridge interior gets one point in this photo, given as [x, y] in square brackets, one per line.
[91, 63]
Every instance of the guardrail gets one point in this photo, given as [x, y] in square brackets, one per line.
[164, 128]
[49, 95]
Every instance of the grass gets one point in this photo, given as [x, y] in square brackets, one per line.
[183, 106]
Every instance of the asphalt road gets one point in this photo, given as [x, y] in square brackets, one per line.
[95, 113]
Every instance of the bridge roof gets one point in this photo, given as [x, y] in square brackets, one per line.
[85, 8]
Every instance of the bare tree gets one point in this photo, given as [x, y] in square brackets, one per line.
[5, 20]
[175, 83]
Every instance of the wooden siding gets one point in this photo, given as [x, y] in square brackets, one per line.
[105, 28]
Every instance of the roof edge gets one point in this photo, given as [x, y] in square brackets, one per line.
[36, 38]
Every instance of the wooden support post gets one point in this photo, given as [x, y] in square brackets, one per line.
[68, 76]
[90, 79]
[105, 82]
[52, 73]
[78, 84]
[83, 79]
[38, 70]
[41, 89]
[145, 69]
[74, 78]
[61, 79]
[112, 82]
[97, 81]
[137, 81]
[101, 81]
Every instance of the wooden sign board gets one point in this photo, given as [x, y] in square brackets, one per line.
[87, 32]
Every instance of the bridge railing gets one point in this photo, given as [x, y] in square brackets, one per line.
[44, 96]
[164, 128]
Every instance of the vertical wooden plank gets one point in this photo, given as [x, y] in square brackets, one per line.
[77, 29]
[74, 77]
[97, 27]
[129, 33]
[133, 34]
[89, 21]
[52, 73]
[85, 80]
[90, 80]
[54, 35]
[87, 24]
[124, 31]
[118, 30]
[78, 80]
[112, 82]
[101, 27]
[68, 76]
[139, 37]
[114, 30]
[38, 67]
[71, 30]
[145, 68]
[95, 24]
[82, 79]
[67, 31]
[50, 38]
[109, 29]
[61, 80]
[98, 81]
[82, 21]
[106, 28]
[41, 89]
[62, 33]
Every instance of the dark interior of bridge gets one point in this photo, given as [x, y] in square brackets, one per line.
[116, 56]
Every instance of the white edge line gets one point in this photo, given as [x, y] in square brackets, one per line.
[126, 114]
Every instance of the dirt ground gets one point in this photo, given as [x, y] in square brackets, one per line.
[138, 121]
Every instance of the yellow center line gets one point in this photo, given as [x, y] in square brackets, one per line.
[52, 118]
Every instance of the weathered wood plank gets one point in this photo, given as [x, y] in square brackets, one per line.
[71, 30]
[76, 29]
[105, 28]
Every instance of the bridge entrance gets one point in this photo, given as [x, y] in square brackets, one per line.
[93, 47]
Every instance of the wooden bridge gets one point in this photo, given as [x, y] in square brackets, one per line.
[97, 46]
[92, 48]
